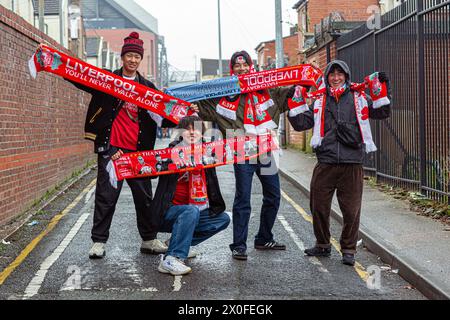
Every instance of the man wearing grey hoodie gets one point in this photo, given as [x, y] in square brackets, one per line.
[340, 154]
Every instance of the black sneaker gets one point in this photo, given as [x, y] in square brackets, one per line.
[348, 259]
[239, 254]
[318, 252]
[271, 245]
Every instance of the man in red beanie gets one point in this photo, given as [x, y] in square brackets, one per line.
[119, 127]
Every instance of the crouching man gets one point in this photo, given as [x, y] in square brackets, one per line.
[189, 205]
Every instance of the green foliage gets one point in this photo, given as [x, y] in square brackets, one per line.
[418, 201]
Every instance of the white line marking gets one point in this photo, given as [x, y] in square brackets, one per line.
[89, 195]
[133, 273]
[299, 243]
[151, 289]
[36, 283]
[177, 283]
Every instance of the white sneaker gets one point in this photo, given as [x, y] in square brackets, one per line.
[97, 251]
[153, 247]
[192, 253]
[174, 266]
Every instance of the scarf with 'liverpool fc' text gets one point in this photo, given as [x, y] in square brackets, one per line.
[53, 61]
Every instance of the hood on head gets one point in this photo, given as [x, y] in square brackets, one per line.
[341, 64]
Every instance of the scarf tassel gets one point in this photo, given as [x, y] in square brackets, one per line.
[381, 102]
[316, 141]
[32, 67]
[371, 147]
[269, 125]
[266, 105]
[298, 110]
[227, 113]
[112, 174]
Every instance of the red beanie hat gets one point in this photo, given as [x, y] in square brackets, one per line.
[132, 43]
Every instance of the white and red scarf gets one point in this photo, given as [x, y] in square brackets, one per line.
[362, 115]
[297, 104]
[378, 92]
[256, 118]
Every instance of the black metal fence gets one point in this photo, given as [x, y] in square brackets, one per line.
[412, 46]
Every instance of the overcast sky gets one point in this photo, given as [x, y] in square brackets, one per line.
[190, 27]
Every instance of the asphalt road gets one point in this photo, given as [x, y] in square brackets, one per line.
[58, 266]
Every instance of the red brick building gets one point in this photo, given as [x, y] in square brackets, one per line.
[148, 67]
[41, 121]
[311, 12]
[267, 55]
[115, 19]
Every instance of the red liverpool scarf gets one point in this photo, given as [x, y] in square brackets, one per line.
[337, 93]
[362, 115]
[53, 61]
[297, 104]
[189, 157]
[256, 118]
[377, 89]
[378, 92]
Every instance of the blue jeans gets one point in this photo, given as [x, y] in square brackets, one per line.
[242, 204]
[189, 227]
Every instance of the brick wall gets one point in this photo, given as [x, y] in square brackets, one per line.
[290, 45]
[41, 121]
[316, 11]
[318, 59]
[350, 10]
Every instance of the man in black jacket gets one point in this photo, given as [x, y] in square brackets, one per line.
[118, 127]
[189, 205]
[340, 155]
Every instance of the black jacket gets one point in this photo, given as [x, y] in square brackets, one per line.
[165, 192]
[331, 151]
[103, 110]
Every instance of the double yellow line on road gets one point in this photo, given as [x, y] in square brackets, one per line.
[30, 247]
[360, 270]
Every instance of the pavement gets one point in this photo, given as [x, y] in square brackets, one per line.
[55, 264]
[419, 247]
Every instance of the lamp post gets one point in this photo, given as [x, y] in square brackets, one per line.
[280, 60]
[220, 41]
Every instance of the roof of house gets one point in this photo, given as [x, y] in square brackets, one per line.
[131, 10]
[51, 7]
[298, 4]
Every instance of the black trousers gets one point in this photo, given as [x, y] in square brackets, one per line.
[106, 197]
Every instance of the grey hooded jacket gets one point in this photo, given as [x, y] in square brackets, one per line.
[331, 150]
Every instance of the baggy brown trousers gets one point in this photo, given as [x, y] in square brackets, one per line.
[347, 180]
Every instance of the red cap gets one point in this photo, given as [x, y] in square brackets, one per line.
[132, 43]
